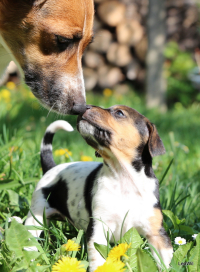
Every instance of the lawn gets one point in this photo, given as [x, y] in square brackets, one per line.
[22, 125]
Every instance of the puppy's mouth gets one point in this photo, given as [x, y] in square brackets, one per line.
[93, 133]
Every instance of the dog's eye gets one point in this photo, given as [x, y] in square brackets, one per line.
[119, 113]
[63, 42]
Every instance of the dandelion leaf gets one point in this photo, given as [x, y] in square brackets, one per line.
[132, 236]
[102, 249]
[17, 237]
[13, 197]
[179, 256]
[195, 257]
[145, 262]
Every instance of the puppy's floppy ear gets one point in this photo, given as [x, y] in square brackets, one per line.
[155, 144]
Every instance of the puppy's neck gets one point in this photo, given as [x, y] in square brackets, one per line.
[143, 161]
[135, 174]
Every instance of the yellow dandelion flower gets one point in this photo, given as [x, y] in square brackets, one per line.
[11, 85]
[38, 264]
[61, 152]
[5, 95]
[67, 153]
[71, 246]
[110, 266]
[86, 158]
[107, 92]
[67, 264]
[117, 252]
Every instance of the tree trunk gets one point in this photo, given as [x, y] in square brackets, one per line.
[156, 30]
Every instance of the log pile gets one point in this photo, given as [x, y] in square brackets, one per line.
[118, 52]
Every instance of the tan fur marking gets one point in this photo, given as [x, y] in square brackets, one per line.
[125, 135]
[155, 237]
[156, 222]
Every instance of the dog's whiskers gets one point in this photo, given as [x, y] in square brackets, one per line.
[50, 109]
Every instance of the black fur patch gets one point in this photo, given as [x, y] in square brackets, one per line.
[103, 137]
[48, 138]
[47, 161]
[88, 197]
[46, 157]
[57, 196]
[144, 159]
[156, 193]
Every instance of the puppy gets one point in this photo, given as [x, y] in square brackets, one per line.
[85, 192]
[47, 39]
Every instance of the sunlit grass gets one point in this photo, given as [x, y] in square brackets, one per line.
[23, 122]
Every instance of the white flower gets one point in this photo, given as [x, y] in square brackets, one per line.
[18, 219]
[194, 236]
[180, 241]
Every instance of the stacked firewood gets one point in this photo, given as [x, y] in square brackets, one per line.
[120, 44]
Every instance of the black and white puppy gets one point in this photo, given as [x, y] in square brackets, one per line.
[85, 192]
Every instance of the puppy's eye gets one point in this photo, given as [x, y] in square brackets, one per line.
[119, 113]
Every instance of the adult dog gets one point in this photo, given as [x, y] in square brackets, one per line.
[89, 193]
[47, 39]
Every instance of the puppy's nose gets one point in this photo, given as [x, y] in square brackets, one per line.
[78, 109]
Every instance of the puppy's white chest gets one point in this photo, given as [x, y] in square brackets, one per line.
[114, 200]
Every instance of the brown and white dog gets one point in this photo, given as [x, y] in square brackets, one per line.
[47, 38]
[89, 193]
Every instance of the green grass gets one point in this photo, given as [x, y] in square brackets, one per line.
[22, 125]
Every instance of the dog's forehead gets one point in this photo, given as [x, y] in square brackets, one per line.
[72, 13]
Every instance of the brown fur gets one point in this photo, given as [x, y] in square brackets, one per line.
[29, 29]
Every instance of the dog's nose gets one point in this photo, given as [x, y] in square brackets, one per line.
[78, 109]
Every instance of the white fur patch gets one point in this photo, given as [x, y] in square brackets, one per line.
[60, 124]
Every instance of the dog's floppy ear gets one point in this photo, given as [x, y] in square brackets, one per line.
[155, 144]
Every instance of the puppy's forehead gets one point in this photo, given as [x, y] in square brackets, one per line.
[138, 120]
[135, 115]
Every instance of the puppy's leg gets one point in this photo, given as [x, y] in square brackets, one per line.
[159, 238]
[38, 204]
[95, 234]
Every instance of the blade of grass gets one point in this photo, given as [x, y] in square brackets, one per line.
[166, 171]
[78, 240]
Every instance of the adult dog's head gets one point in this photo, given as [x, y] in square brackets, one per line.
[47, 38]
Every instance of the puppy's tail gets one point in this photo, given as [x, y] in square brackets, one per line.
[46, 155]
